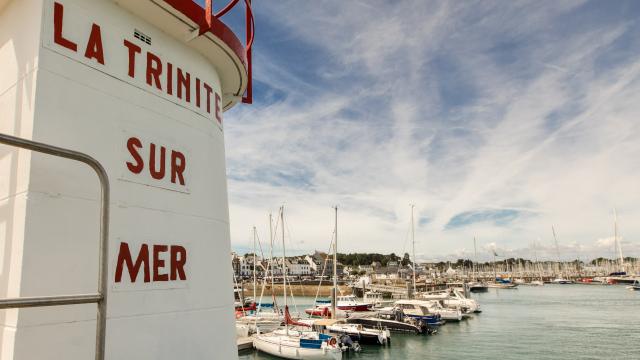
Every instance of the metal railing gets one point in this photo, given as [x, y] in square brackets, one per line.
[99, 298]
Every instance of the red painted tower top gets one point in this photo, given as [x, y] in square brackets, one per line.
[202, 29]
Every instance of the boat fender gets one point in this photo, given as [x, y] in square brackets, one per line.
[333, 342]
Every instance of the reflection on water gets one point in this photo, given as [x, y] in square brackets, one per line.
[550, 322]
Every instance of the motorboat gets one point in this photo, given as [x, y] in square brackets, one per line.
[591, 281]
[351, 303]
[453, 299]
[561, 281]
[502, 285]
[478, 287]
[323, 310]
[418, 310]
[374, 297]
[635, 286]
[446, 313]
[357, 332]
[388, 318]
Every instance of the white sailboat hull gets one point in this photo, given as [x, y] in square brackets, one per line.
[283, 348]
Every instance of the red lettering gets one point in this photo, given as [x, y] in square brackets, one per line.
[178, 260]
[124, 258]
[197, 92]
[157, 167]
[94, 45]
[170, 78]
[178, 164]
[58, 38]
[158, 175]
[209, 90]
[218, 117]
[184, 81]
[154, 70]
[133, 50]
[132, 145]
[159, 263]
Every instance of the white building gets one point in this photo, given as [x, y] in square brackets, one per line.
[298, 267]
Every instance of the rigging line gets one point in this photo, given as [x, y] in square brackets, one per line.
[265, 272]
[324, 267]
[290, 241]
[241, 296]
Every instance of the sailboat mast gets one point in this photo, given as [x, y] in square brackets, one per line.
[555, 239]
[615, 235]
[254, 263]
[271, 259]
[495, 273]
[413, 250]
[284, 269]
[535, 255]
[335, 267]
[475, 260]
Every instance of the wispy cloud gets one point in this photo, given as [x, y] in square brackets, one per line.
[497, 120]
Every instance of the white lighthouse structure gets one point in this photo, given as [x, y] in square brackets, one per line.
[137, 90]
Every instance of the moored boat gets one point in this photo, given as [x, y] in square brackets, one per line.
[561, 280]
[351, 303]
[377, 321]
[478, 287]
[296, 344]
[635, 286]
[446, 313]
[453, 298]
[501, 285]
[356, 332]
[418, 310]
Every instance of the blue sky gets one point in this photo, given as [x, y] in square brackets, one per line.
[496, 119]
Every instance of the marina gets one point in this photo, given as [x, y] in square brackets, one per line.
[549, 321]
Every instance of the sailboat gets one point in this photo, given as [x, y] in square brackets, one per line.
[500, 282]
[260, 319]
[536, 266]
[560, 279]
[297, 343]
[356, 332]
[476, 286]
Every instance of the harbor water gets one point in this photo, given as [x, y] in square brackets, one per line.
[549, 322]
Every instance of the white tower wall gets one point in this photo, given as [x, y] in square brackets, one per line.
[49, 209]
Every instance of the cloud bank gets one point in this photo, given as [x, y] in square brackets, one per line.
[497, 120]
